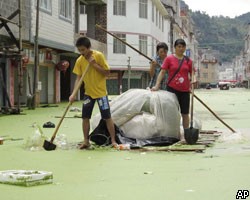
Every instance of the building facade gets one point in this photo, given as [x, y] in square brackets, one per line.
[58, 28]
[61, 22]
[246, 57]
[208, 68]
[149, 22]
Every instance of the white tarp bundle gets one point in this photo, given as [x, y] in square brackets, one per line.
[143, 114]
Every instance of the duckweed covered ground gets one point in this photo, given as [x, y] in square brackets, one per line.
[109, 174]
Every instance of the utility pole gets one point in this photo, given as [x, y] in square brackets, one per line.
[129, 72]
[20, 69]
[36, 56]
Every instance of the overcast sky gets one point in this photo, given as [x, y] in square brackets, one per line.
[230, 8]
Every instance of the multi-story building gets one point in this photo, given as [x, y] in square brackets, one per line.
[149, 22]
[238, 69]
[209, 68]
[58, 26]
[142, 27]
[60, 23]
[246, 57]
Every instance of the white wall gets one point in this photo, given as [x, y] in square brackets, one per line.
[133, 26]
[52, 27]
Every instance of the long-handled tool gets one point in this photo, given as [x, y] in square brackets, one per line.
[191, 134]
[48, 145]
[98, 26]
[210, 110]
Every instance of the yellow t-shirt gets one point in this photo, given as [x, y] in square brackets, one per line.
[94, 81]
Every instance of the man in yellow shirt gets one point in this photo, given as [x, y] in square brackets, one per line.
[95, 87]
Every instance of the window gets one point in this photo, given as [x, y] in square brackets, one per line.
[66, 9]
[162, 24]
[119, 7]
[45, 5]
[153, 13]
[205, 75]
[156, 20]
[143, 44]
[118, 46]
[153, 47]
[205, 65]
[83, 9]
[159, 20]
[143, 9]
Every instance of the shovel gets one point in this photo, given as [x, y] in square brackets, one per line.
[48, 145]
[191, 134]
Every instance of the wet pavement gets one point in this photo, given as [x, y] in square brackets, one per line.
[218, 173]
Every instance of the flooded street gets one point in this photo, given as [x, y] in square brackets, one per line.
[218, 173]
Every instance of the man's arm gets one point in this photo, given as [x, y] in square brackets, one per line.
[99, 68]
[159, 79]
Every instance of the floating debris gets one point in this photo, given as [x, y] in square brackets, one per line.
[26, 177]
[148, 172]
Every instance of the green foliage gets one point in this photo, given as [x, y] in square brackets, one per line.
[221, 33]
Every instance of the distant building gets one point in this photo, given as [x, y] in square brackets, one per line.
[246, 57]
[209, 68]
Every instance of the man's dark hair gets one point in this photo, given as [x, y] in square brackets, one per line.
[161, 45]
[83, 41]
[179, 41]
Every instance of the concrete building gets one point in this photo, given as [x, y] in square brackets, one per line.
[149, 22]
[246, 56]
[58, 28]
[227, 75]
[209, 68]
[62, 21]
[239, 68]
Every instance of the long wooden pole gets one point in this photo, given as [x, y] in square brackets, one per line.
[214, 114]
[98, 26]
[69, 104]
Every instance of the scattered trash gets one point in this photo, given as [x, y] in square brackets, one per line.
[228, 137]
[78, 115]
[26, 177]
[143, 153]
[128, 158]
[123, 146]
[36, 139]
[75, 109]
[48, 125]
[61, 142]
[148, 172]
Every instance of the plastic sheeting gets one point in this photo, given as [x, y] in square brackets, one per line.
[143, 114]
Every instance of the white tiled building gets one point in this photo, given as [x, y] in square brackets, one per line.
[141, 23]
